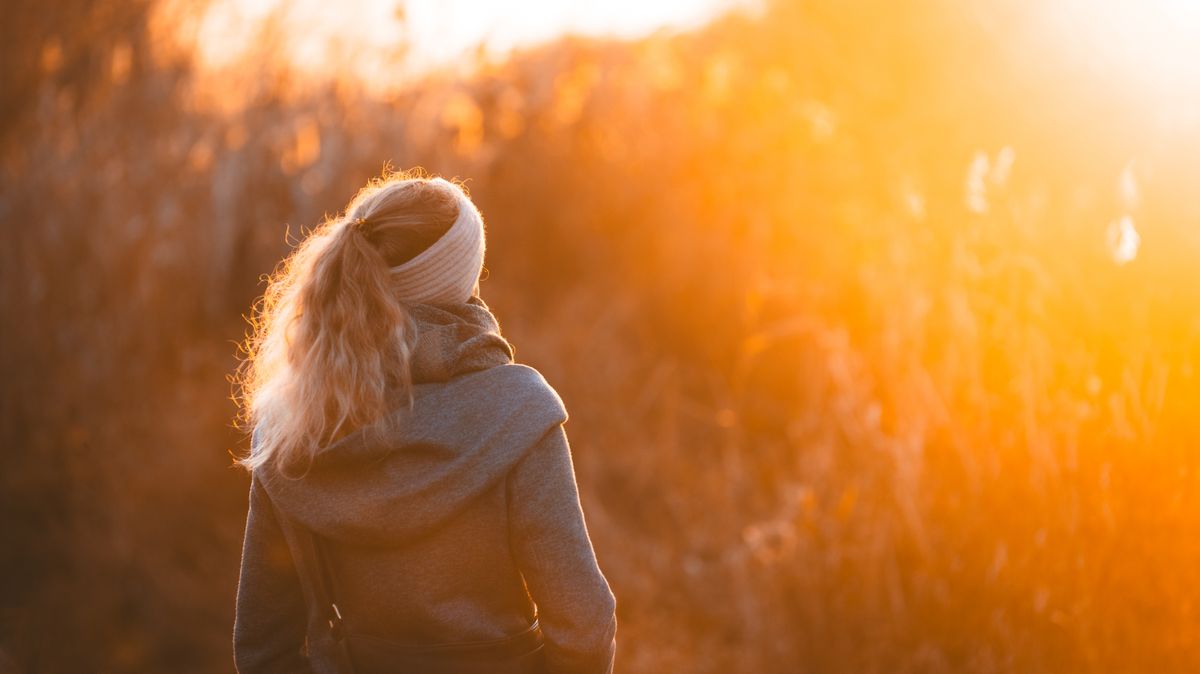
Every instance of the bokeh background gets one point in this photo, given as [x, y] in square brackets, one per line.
[878, 322]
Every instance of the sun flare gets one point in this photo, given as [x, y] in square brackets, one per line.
[1151, 44]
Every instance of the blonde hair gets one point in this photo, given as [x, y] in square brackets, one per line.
[330, 337]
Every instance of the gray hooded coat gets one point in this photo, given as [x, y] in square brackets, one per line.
[449, 523]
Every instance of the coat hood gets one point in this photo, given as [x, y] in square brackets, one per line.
[474, 415]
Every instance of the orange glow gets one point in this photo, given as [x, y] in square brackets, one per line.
[878, 322]
[385, 43]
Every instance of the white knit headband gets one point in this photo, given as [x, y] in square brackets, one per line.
[446, 272]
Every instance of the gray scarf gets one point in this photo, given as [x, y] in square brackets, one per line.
[475, 413]
[454, 339]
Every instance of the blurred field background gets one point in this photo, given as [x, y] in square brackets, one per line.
[878, 323]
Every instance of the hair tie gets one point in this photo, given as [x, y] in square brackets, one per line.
[359, 225]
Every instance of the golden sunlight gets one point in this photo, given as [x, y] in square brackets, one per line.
[1151, 45]
[877, 323]
[371, 34]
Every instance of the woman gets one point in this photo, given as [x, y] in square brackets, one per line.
[413, 504]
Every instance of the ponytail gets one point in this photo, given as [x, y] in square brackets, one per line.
[330, 340]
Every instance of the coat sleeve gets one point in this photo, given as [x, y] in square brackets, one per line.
[270, 621]
[576, 608]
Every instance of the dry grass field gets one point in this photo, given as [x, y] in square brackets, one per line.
[878, 324]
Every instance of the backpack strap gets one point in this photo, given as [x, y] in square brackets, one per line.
[320, 581]
[328, 601]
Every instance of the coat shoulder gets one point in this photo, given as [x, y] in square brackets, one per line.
[529, 385]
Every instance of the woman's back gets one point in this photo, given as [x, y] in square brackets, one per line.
[437, 519]
[453, 517]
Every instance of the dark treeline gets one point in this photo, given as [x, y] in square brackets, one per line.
[859, 376]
